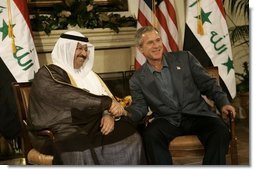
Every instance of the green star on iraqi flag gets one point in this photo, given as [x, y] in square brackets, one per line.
[17, 49]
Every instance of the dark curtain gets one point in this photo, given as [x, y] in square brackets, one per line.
[9, 123]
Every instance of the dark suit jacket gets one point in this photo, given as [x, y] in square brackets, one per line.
[190, 80]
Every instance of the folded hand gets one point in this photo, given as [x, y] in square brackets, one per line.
[107, 124]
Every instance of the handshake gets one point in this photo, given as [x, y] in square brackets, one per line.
[115, 111]
[117, 106]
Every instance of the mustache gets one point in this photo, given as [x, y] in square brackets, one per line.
[82, 56]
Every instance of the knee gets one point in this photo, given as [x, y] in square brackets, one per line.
[155, 133]
[223, 133]
[150, 133]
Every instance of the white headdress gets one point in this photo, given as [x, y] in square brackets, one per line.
[63, 56]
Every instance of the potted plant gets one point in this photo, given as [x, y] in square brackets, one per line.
[243, 87]
[79, 14]
[239, 35]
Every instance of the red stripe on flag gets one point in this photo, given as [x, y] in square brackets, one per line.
[163, 22]
[220, 5]
[142, 19]
[22, 6]
[171, 11]
[137, 64]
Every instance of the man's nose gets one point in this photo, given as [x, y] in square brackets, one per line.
[84, 52]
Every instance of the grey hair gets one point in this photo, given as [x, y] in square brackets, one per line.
[140, 32]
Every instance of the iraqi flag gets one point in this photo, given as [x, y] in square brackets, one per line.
[18, 60]
[17, 49]
[207, 37]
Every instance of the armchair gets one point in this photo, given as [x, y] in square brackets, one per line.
[32, 156]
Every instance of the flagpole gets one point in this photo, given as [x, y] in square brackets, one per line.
[154, 20]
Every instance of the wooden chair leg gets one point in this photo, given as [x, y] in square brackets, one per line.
[234, 152]
[233, 145]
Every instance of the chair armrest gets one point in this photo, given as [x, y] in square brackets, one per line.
[231, 122]
[228, 119]
[36, 158]
[46, 132]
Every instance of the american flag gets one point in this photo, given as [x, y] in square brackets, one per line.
[160, 14]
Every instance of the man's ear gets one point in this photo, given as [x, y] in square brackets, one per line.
[140, 49]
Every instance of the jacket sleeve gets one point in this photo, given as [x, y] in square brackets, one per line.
[138, 108]
[206, 84]
[61, 94]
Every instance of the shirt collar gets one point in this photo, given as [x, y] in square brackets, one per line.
[164, 63]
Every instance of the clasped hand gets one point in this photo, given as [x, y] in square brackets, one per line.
[116, 109]
[107, 121]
